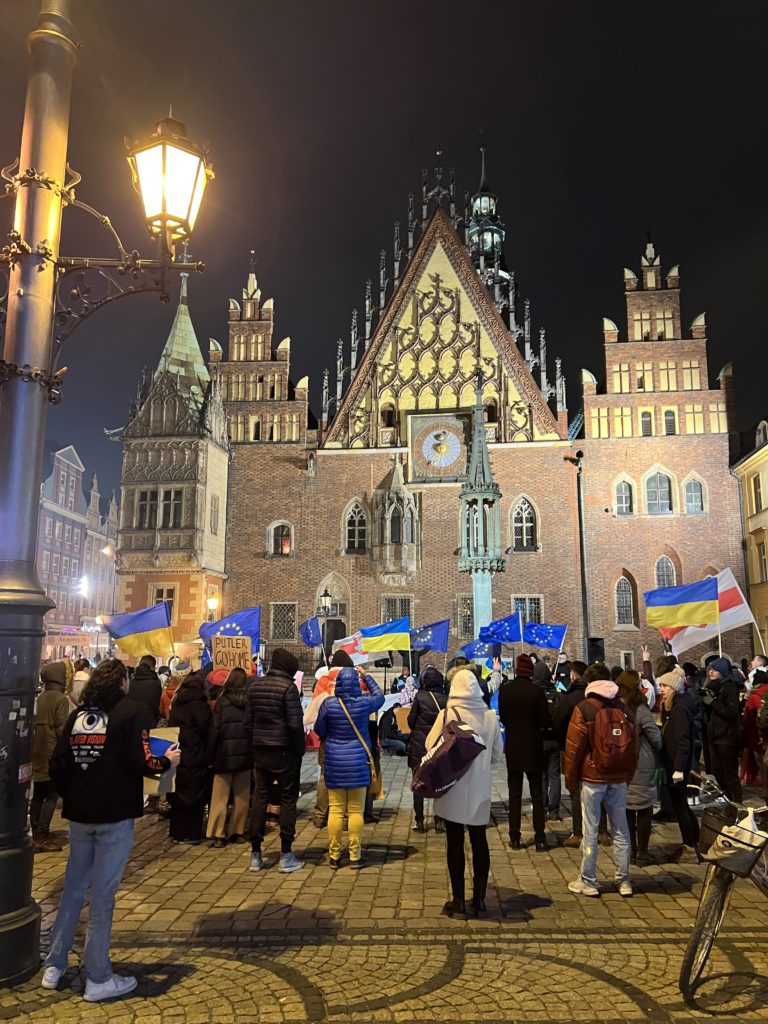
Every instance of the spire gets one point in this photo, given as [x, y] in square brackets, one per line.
[353, 342]
[181, 354]
[368, 311]
[383, 282]
[398, 253]
[479, 474]
[252, 290]
[339, 371]
[411, 224]
[483, 186]
[325, 395]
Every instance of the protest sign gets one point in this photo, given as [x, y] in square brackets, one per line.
[230, 652]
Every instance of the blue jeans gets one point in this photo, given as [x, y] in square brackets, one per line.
[612, 796]
[397, 745]
[97, 858]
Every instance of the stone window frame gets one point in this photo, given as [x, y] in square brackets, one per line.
[521, 602]
[690, 478]
[356, 502]
[462, 601]
[154, 589]
[661, 576]
[624, 478]
[620, 605]
[674, 491]
[530, 548]
[269, 551]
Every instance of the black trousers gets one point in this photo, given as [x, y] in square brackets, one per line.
[577, 825]
[515, 782]
[272, 764]
[418, 804]
[686, 819]
[724, 763]
[42, 805]
[481, 858]
[639, 823]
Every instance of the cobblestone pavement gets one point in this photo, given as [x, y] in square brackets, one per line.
[210, 941]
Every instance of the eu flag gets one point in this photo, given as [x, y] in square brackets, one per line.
[539, 634]
[433, 637]
[505, 631]
[482, 649]
[311, 633]
[244, 623]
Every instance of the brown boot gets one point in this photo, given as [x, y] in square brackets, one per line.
[44, 843]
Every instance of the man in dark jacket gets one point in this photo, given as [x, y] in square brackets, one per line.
[146, 688]
[525, 716]
[561, 720]
[427, 705]
[274, 721]
[50, 717]
[551, 786]
[724, 729]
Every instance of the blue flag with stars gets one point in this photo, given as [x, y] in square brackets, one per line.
[503, 631]
[539, 634]
[482, 649]
[244, 623]
[433, 637]
[310, 632]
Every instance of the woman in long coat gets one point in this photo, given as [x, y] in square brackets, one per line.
[191, 712]
[429, 702]
[641, 791]
[467, 804]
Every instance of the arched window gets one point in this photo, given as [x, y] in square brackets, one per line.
[409, 526]
[658, 494]
[396, 527]
[524, 532]
[670, 421]
[490, 414]
[646, 424]
[356, 528]
[256, 430]
[665, 572]
[624, 610]
[694, 497]
[281, 540]
[623, 501]
[387, 415]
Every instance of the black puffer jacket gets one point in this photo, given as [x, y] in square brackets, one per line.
[191, 712]
[677, 736]
[724, 713]
[273, 713]
[229, 744]
[427, 705]
[564, 709]
[146, 689]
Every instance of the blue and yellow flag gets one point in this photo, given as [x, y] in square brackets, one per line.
[694, 604]
[144, 632]
[388, 636]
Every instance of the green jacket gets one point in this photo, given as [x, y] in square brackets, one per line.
[52, 713]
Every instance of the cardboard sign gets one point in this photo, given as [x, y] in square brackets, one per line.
[231, 652]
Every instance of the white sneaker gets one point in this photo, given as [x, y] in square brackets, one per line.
[116, 986]
[582, 888]
[289, 862]
[625, 889]
[256, 862]
[51, 977]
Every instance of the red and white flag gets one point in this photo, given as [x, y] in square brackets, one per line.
[734, 612]
[353, 646]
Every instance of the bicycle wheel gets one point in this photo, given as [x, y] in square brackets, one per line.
[709, 916]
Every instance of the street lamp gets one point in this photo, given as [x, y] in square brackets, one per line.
[324, 608]
[213, 604]
[47, 296]
[578, 462]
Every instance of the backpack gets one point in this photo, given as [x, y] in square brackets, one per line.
[449, 760]
[613, 735]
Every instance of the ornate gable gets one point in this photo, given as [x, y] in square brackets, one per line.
[440, 323]
[166, 411]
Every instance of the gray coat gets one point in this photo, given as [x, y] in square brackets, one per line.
[641, 791]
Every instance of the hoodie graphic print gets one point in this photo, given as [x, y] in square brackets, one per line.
[88, 736]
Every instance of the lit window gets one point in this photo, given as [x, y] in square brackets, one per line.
[665, 572]
[621, 378]
[665, 325]
[762, 562]
[644, 372]
[624, 605]
[658, 494]
[667, 376]
[524, 532]
[622, 423]
[599, 422]
[757, 493]
[691, 375]
[642, 324]
[718, 420]
[694, 497]
[623, 498]
[281, 540]
[694, 419]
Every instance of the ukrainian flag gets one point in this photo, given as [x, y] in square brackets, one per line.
[144, 632]
[389, 636]
[695, 604]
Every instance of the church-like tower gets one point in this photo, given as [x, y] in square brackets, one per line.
[174, 487]
[480, 552]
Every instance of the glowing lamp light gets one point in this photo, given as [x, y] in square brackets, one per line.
[213, 603]
[85, 586]
[170, 173]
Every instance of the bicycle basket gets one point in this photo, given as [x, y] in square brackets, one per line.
[723, 841]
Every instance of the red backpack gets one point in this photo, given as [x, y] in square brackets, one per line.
[613, 735]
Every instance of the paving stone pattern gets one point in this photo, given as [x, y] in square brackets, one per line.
[211, 942]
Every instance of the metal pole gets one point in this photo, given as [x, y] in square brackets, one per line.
[582, 555]
[23, 407]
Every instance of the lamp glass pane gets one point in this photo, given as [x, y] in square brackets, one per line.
[197, 196]
[149, 168]
[180, 176]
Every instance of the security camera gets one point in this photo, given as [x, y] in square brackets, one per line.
[579, 455]
[609, 510]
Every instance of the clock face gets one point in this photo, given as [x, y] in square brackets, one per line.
[438, 447]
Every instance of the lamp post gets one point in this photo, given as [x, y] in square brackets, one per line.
[578, 462]
[41, 314]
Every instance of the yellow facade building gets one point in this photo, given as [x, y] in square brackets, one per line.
[752, 471]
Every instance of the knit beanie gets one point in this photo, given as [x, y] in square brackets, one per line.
[284, 661]
[341, 659]
[721, 665]
[524, 667]
[56, 672]
[183, 668]
[675, 679]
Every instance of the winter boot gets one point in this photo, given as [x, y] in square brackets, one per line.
[44, 843]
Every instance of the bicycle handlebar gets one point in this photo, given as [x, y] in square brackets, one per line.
[710, 787]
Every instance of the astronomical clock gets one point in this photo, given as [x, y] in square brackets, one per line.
[438, 447]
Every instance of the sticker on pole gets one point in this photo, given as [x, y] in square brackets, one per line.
[25, 773]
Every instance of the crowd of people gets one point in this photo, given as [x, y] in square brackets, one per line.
[623, 742]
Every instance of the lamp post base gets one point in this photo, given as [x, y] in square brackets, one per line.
[20, 945]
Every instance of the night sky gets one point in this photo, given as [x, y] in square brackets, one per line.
[602, 121]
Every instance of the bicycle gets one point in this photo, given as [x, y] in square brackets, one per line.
[749, 863]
